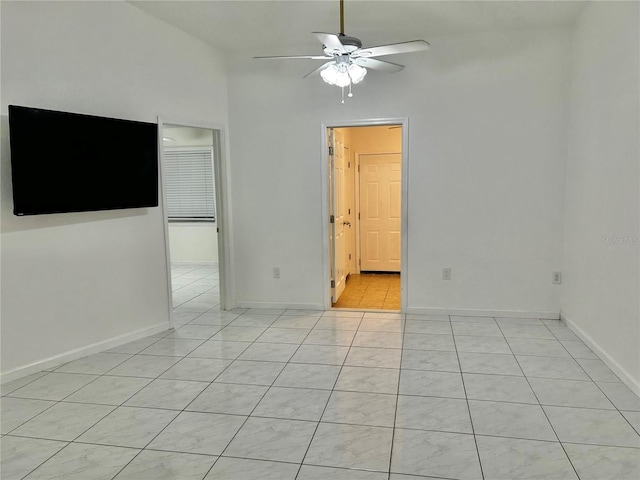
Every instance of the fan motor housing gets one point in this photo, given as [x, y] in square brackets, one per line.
[351, 44]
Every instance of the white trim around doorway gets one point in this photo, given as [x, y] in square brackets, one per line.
[404, 266]
[223, 210]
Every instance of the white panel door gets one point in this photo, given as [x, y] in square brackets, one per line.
[380, 212]
[339, 204]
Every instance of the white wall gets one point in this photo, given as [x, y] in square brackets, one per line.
[375, 139]
[193, 242]
[72, 280]
[601, 288]
[487, 148]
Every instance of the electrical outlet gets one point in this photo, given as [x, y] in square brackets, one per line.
[276, 272]
[446, 274]
[557, 277]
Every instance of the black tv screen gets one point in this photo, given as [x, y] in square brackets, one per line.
[66, 162]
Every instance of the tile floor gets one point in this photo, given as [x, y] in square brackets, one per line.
[273, 394]
[379, 291]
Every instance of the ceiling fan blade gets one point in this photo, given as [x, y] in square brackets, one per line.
[378, 64]
[317, 70]
[309, 57]
[331, 41]
[392, 49]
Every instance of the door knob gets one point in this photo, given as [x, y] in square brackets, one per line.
[348, 224]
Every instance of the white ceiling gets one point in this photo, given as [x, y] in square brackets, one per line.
[284, 27]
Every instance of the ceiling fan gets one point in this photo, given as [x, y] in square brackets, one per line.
[348, 61]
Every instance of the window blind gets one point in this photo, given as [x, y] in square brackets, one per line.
[190, 186]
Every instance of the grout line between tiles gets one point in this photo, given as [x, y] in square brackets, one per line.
[263, 395]
[97, 376]
[395, 414]
[181, 410]
[543, 411]
[466, 397]
[327, 404]
[45, 461]
[269, 387]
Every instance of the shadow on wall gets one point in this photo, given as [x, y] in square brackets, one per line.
[11, 223]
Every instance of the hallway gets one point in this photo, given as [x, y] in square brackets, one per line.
[371, 291]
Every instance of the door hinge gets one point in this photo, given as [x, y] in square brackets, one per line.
[348, 164]
[332, 219]
[360, 261]
[217, 229]
[358, 215]
[333, 284]
[358, 168]
[349, 256]
[330, 150]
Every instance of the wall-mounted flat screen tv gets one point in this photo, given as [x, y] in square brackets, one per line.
[66, 162]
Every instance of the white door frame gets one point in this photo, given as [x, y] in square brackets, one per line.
[324, 164]
[223, 211]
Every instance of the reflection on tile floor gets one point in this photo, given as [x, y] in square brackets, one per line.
[274, 394]
[377, 291]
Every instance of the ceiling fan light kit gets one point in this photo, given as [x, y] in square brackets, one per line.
[348, 61]
[343, 73]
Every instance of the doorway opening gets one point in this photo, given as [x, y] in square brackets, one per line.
[366, 216]
[190, 170]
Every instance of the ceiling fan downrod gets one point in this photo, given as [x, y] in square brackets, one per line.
[342, 18]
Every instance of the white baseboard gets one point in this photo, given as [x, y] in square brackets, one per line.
[483, 313]
[70, 355]
[626, 378]
[292, 306]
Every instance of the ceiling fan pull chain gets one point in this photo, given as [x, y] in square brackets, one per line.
[350, 93]
[342, 95]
